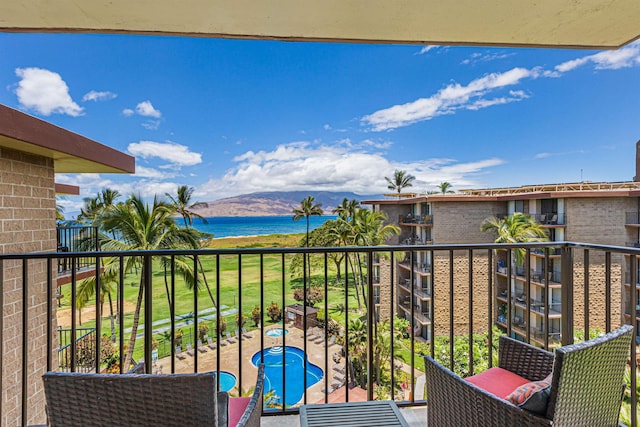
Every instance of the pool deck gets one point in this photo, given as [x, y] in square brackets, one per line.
[229, 360]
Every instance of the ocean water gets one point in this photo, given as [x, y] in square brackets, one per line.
[233, 226]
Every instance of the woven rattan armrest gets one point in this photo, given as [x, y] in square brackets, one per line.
[524, 360]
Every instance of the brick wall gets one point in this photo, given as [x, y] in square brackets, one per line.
[459, 222]
[27, 224]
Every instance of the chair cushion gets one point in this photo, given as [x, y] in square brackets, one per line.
[237, 405]
[497, 381]
[533, 396]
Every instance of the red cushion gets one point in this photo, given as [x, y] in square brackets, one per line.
[237, 405]
[498, 381]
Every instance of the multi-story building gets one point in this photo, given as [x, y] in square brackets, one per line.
[602, 213]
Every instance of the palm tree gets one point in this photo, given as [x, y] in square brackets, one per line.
[347, 209]
[87, 289]
[307, 208]
[139, 226]
[444, 188]
[401, 179]
[59, 212]
[516, 228]
[183, 206]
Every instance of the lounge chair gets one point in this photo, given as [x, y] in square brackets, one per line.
[585, 386]
[319, 338]
[335, 384]
[221, 341]
[339, 368]
[201, 348]
[230, 339]
[211, 343]
[338, 376]
[246, 334]
[179, 354]
[190, 350]
[332, 341]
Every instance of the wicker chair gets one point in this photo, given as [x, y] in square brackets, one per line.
[77, 399]
[586, 385]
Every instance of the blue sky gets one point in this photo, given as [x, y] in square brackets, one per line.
[231, 117]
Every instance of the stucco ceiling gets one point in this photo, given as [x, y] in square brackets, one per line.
[559, 23]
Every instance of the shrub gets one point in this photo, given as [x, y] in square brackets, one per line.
[256, 314]
[274, 312]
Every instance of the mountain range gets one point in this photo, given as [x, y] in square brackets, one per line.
[275, 203]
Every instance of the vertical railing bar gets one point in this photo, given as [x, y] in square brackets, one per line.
[391, 317]
[370, 321]
[412, 289]
[98, 316]
[196, 331]
[547, 298]
[239, 322]
[470, 302]
[172, 313]
[2, 286]
[451, 288]
[326, 326]
[607, 290]
[633, 265]
[304, 322]
[49, 316]
[218, 315]
[259, 330]
[121, 311]
[490, 292]
[432, 290]
[346, 323]
[25, 335]
[148, 315]
[567, 295]
[586, 293]
[73, 314]
[284, 336]
[510, 280]
[527, 291]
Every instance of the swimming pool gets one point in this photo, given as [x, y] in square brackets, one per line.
[294, 367]
[276, 332]
[227, 380]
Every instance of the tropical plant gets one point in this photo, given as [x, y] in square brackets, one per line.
[307, 209]
[274, 312]
[445, 188]
[314, 295]
[203, 330]
[401, 179]
[87, 289]
[240, 320]
[135, 225]
[59, 212]
[256, 315]
[184, 207]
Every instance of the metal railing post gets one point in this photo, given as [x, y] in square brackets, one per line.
[566, 292]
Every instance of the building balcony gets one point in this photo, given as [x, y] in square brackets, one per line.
[237, 315]
[416, 220]
[552, 219]
[632, 219]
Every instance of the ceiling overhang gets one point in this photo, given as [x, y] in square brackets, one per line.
[600, 24]
[71, 153]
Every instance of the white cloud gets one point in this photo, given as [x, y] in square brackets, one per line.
[45, 92]
[128, 112]
[625, 57]
[99, 96]
[143, 172]
[146, 109]
[344, 166]
[451, 98]
[151, 124]
[327, 126]
[426, 49]
[177, 154]
[478, 57]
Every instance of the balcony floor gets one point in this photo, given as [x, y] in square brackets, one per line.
[416, 417]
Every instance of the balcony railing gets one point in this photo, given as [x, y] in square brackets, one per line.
[416, 219]
[552, 218]
[76, 239]
[632, 218]
[257, 285]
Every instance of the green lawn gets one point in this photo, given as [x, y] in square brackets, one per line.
[229, 286]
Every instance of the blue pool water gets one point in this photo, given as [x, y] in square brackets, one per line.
[294, 368]
[227, 380]
[277, 332]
